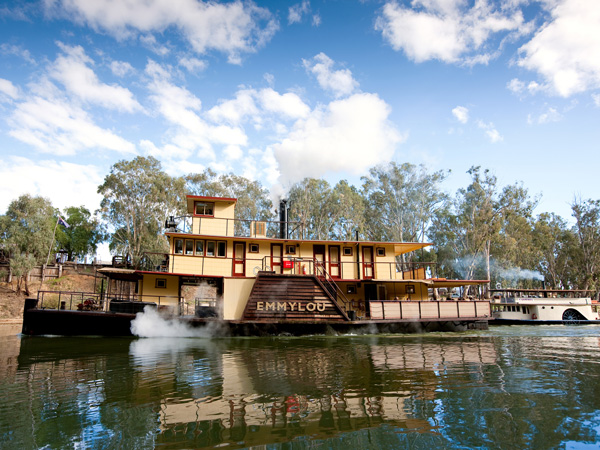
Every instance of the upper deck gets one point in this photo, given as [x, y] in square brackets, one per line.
[210, 241]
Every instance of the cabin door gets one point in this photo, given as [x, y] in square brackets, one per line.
[319, 258]
[239, 259]
[368, 272]
[276, 257]
[370, 294]
[334, 262]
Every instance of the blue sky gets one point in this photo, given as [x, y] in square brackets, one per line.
[277, 91]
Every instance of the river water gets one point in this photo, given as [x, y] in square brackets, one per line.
[508, 387]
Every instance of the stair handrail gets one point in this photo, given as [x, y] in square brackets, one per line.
[320, 268]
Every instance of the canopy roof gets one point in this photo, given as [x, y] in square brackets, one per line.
[443, 282]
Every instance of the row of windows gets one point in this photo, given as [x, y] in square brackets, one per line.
[219, 248]
[201, 248]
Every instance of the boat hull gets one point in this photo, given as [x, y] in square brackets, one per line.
[88, 323]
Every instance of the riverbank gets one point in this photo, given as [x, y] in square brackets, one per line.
[11, 302]
[10, 327]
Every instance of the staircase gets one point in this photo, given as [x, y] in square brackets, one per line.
[276, 297]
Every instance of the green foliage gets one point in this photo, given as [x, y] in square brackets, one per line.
[310, 205]
[138, 196]
[401, 200]
[83, 235]
[28, 227]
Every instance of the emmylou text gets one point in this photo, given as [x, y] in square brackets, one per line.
[290, 306]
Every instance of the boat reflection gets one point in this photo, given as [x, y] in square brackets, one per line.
[275, 392]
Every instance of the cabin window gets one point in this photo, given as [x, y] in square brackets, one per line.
[199, 248]
[221, 249]
[189, 247]
[204, 208]
[351, 289]
[347, 251]
[380, 251]
[253, 248]
[290, 249]
[179, 246]
[161, 283]
[210, 248]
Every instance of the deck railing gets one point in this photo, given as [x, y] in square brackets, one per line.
[420, 310]
[344, 270]
[91, 301]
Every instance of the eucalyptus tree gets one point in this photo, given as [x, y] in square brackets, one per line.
[84, 234]
[401, 200]
[587, 231]
[556, 245]
[310, 204]
[27, 230]
[480, 220]
[347, 209]
[137, 197]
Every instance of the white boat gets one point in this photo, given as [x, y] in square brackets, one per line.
[543, 306]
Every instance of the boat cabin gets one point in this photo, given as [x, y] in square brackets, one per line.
[216, 259]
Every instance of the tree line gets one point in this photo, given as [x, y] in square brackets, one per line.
[483, 231]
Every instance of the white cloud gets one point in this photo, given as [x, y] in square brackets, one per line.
[289, 104]
[566, 51]
[339, 82]
[50, 122]
[490, 131]
[516, 86]
[9, 49]
[295, 12]
[461, 113]
[548, 116]
[71, 69]
[348, 135]
[450, 31]
[189, 131]
[121, 68]
[65, 184]
[255, 104]
[193, 65]
[150, 42]
[316, 20]
[596, 98]
[8, 89]
[233, 28]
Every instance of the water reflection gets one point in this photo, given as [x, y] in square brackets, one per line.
[450, 391]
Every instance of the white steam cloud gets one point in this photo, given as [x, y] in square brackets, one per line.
[151, 323]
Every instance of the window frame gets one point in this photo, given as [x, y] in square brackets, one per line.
[347, 251]
[191, 251]
[291, 247]
[175, 242]
[380, 251]
[214, 249]
[160, 283]
[218, 249]
[210, 206]
[196, 242]
[251, 245]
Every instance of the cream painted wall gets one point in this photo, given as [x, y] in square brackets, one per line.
[235, 296]
[164, 296]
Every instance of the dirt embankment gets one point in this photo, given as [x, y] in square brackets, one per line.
[11, 302]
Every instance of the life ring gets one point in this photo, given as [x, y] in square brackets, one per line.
[534, 316]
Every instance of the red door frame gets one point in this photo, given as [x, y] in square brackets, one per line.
[239, 260]
[319, 249]
[369, 264]
[276, 265]
[338, 264]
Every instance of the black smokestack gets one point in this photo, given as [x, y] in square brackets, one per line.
[283, 219]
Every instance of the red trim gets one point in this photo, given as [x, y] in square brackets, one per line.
[203, 197]
[239, 260]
